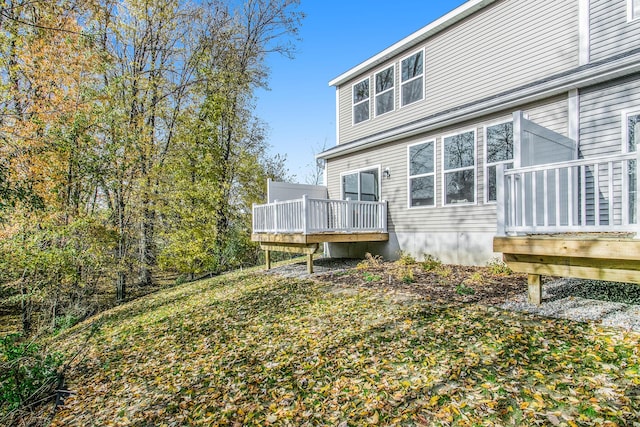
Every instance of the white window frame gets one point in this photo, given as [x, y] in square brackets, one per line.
[486, 164]
[475, 169]
[625, 128]
[357, 171]
[410, 177]
[392, 89]
[633, 10]
[421, 76]
[354, 104]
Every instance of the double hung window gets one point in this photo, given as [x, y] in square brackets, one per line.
[459, 180]
[412, 78]
[361, 101]
[422, 174]
[385, 93]
[499, 150]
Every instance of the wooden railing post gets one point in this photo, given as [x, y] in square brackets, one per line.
[349, 214]
[500, 200]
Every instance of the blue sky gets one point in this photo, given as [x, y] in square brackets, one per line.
[299, 108]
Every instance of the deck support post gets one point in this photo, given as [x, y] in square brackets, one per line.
[310, 263]
[267, 259]
[535, 289]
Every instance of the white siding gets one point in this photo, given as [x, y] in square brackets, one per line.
[611, 33]
[504, 46]
[601, 110]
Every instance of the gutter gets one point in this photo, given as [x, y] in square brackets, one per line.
[608, 69]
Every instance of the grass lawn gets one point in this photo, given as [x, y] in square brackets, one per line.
[253, 349]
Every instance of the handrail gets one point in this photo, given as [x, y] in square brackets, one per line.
[311, 215]
[585, 195]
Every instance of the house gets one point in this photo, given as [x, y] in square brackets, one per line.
[501, 121]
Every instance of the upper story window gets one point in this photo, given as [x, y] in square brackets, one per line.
[633, 131]
[361, 101]
[422, 174]
[634, 9]
[499, 150]
[459, 169]
[385, 93]
[412, 78]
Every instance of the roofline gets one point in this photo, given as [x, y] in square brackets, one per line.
[436, 26]
[574, 79]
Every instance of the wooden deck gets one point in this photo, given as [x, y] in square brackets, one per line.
[599, 256]
[309, 244]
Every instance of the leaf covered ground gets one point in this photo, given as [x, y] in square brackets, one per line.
[254, 349]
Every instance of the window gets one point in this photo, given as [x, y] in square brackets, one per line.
[412, 71]
[632, 140]
[385, 94]
[499, 150]
[459, 168]
[634, 9]
[633, 131]
[422, 174]
[361, 101]
[362, 185]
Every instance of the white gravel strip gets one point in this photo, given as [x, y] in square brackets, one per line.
[606, 303]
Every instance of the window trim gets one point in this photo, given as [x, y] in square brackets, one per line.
[434, 174]
[625, 128]
[392, 89]
[486, 164]
[413, 78]
[353, 104]
[632, 13]
[475, 169]
[357, 171]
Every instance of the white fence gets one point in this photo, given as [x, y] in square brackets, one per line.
[308, 216]
[589, 195]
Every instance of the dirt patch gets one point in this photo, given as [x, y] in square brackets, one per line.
[441, 283]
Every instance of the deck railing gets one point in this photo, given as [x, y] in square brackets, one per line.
[587, 195]
[308, 216]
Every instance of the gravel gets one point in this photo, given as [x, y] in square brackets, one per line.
[607, 303]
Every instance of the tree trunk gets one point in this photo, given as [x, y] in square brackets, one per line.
[25, 308]
[121, 286]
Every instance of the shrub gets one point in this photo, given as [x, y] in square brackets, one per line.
[499, 267]
[405, 259]
[369, 277]
[370, 262]
[463, 289]
[26, 373]
[430, 263]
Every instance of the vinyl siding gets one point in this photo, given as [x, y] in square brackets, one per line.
[493, 51]
[601, 110]
[481, 217]
[610, 32]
